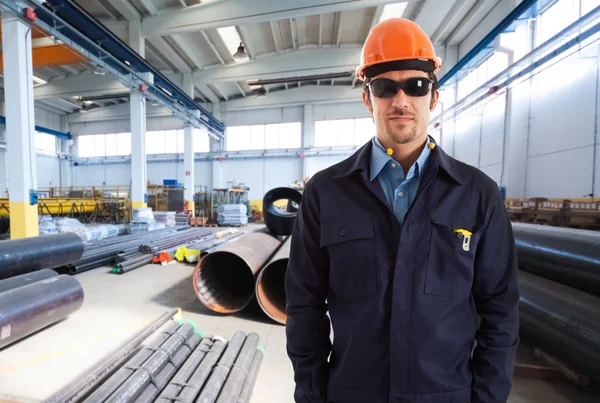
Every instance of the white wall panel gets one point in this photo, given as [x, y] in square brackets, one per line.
[282, 172]
[466, 146]
[347, 110]
[248, 172]
[3, 170]
[492, 132]
[263, 116]
[493, 171]
[597, 170]
[47, 119]
[516, 150]
[563, 110]
[203, 174]
[123, 126]
[48, 171]
[565, 174]
[316, 164]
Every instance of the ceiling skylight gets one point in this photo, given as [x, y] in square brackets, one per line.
[394, 10]
[231, 38]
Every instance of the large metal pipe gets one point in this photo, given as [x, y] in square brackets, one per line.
[235, 380]
[25, 279]
[561, 320]
[270, 284]
[99, 371]
[248, 388]
[27, 309]
[566, 255]
[224, 280]
[20, 256]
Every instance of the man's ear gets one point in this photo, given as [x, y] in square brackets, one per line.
[435, 95]
[367, 102]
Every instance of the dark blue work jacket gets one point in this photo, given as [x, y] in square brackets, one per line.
[403, 302]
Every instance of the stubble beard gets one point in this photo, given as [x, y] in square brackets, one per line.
[401, 133]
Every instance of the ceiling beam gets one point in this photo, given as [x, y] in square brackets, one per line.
[376, 16]
[185, 46]
[108, 10]
[273, 29]
[338, 33]
[320, 30]
[50, 108]
[243, 33]
[240, 88]
[286, 65]
[218, 14]
[432, 14]
[148, 5]
[213, 47]
[461, 29]
[163, 47]
[208, 93]
[58, 105]
[79, 85]
[294, 33]
[126, 9]
[450, 20]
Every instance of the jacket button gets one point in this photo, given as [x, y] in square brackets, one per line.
[394, 220]
[459, 235]
[342, 232]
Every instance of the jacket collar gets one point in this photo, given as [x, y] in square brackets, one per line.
[360, 161]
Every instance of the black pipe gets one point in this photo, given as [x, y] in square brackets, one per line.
[113, 383]
[152, 390]
[20, 256]
[562, 320]
[566, 255]
[99, 371]
[25, 279]
[184, 374]
[248, 388]
[27, 309]
[235, 380]
[219, 374]
[136, 383]
[277, 221]
[201, 374]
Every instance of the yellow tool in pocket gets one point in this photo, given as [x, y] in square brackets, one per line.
[466, 236]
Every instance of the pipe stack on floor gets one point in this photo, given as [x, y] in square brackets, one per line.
[559, 282]
[178, 364]
[228, 279]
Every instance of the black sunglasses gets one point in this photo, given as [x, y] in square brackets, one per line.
[413, 87]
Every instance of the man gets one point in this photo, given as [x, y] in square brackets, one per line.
[403, 246]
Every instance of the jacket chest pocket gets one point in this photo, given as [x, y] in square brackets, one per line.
[352, 270]
[451, 261]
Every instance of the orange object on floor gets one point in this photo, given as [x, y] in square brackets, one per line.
[162, 258]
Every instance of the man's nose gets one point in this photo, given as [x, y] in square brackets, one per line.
[400, 100]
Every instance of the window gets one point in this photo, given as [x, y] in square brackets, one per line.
[467, 84]
[264, 137]
[557, 18]
[201, 141]
[111, 144]
[85, 144]
[45, 142]
[343, 132]
[99, 145]
[155, 142]
[123, 143]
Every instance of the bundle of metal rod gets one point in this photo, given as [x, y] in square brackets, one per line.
[113, 383]
[189, 391]
[101, 369]
[561, 320]
[132, 264]
[237, 375]
[20, 256]
[270, 284]
[27, 309]
[566, 255]
[220, 244]
[119, 239]
[185, 372]
[248, 388]
[217, 378]
[150, 369]
[25, 279]
[224, 280]
[174, 240]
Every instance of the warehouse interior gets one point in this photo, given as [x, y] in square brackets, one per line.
[154, 154]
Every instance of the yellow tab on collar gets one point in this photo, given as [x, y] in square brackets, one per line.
[463, 231]
[431, 146]
[389, 151]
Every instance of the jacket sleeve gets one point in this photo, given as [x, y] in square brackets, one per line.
[496, 294]
[306, 285]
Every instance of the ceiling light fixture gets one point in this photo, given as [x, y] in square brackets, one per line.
[241, 53]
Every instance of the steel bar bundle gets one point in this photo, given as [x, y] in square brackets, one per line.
[248, 387]
[270, 284]
[217, 245]
[237, 375]
[224, 280]
[565, 255]
[174, 240]
[20, 256]
[562, 320]
[25, 279]
[92, 376]
[27, 309]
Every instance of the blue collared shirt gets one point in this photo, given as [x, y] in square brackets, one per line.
[400, 189]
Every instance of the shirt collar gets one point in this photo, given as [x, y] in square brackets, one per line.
[379, 158]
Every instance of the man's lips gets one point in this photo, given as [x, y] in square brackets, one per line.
[400, 118]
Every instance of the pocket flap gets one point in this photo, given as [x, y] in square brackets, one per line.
[333, 232]
[455, 224]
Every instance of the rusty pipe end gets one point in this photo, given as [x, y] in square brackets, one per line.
[270, 290]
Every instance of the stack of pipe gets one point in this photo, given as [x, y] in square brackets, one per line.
[559, 287]
[270, 284]
[31, 302]
[178, 364]
[171, 241]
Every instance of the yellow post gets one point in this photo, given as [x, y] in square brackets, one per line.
[23, 220]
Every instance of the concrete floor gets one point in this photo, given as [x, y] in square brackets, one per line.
[116, 305]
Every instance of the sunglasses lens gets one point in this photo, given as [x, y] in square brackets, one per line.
[416, 87]
[384, 88]
[413, 87]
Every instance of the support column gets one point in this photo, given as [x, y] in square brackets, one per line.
[188, 152]
[139, 187]
[136, 40]
[20, 132]
[217, 147]
[308, 134]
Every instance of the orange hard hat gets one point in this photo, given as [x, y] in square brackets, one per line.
[397, 44]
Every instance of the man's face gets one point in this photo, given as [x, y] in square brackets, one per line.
[401, 119]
